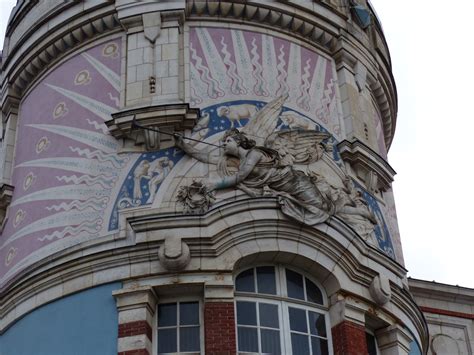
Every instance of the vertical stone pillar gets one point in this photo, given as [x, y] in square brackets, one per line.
[8, 125]
[348, 331]
[8, 137]
[393, 340]
[357, 109]
[136, 309]
[154, 54]
[219, 320]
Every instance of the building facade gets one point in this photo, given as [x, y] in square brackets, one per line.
[200, 177]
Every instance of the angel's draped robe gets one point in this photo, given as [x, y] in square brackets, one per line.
[300, 198]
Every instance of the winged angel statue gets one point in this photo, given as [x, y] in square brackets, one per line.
[262, 161]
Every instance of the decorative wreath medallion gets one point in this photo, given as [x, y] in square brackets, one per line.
[196, 198]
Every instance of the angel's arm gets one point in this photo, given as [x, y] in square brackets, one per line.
[204, 157]
[245, 169]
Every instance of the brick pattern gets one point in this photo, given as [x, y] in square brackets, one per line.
[135, 352]
[349, 339]
[219, 328]
[445, 312]
[135, 328]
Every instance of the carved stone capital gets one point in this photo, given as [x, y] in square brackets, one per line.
[10, 103]
[174, 254]
[166, 118]
[367, 164]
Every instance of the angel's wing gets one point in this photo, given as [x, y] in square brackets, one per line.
[265, 121]
[297, 146]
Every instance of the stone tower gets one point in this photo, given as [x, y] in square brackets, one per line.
[200, 177]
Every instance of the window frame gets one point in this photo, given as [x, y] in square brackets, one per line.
[284, 303]
[178, 300]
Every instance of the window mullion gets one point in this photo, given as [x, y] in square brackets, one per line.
[259, 338]
[177, 326]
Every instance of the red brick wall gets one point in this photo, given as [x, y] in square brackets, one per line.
[349, 339]
[219, 328]
[135, 352]
[135, 328]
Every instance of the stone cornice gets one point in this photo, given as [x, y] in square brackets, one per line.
[364, 160]
[168, 118]
[269, 14]
[6, 193]
[223, 228]
[442, 292]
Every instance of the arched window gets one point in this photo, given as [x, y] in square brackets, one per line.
[280, 311]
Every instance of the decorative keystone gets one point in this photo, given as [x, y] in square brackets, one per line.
[163, 120]
[380, 290]
[174, 254]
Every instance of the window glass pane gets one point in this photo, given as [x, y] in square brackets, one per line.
[313, 293]
[189, 313]
[246, 313]
[266, 280]
[245, 281]
[298, 320]
[371, 345]
[167, 314]
[299, 344]
[317, 324]
[270, 341]
[319, 346]
[294, 283]
[268, 315]
[167, 342]
[248, 339]
[189, 339]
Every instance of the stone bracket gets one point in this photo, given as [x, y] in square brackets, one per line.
[370, 167]
[6, 193]
[166, 118]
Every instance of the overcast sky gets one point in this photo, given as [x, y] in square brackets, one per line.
[431, 47]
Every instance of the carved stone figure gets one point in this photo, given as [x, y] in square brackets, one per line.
[262, 161]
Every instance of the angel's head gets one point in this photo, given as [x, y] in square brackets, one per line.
[233, 139]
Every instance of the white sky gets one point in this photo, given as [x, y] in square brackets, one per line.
[431, 47]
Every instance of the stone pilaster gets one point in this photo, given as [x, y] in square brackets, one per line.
[348, 327]
[393, 340]
[136, 309]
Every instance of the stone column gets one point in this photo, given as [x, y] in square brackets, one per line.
[348, 331]
[136, 309]
[393, 340]
[219, 320]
